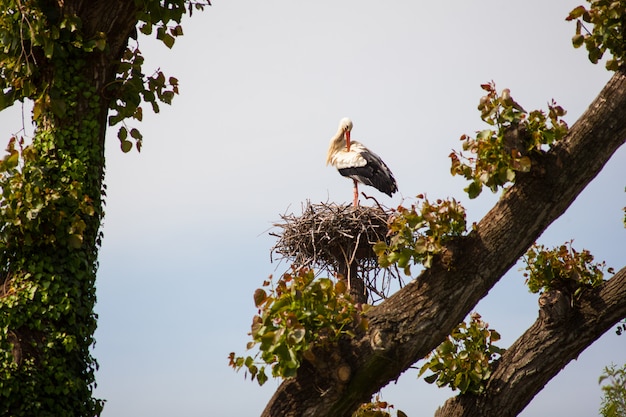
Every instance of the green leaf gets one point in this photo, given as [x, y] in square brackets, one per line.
[168, 40]
[612, 64]
[75, 241]
[146, 28]
[494, 336]
[4, 100]
[122, 134]
[100, 44]
[126, 146]
[446, 347]
[431, 378]
[576, 13]
[11, 160]
[136, 134]
[578, 40]
[177, 31]
[261, 377]
[510, 175]
[138, 114]
[461, 381]
[58, 107]
[474, 189]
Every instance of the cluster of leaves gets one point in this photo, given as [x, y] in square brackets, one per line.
[50, 214]
[30, 36]
[133, 86]
[377, 408]
[499, 152]
[418, 234]
[24, 202]
[464, 360]
[607, 34]
[297, 315]
[562, 268]
[614, 400]
[51, 194]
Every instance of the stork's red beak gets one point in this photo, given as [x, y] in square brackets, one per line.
[347, 140]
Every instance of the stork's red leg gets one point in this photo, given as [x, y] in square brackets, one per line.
[356, 193]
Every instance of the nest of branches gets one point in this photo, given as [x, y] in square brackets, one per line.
[334, 239]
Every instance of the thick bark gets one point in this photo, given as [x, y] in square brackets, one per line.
[408, 325]
[543, 350]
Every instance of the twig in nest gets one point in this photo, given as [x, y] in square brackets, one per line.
[327, 236]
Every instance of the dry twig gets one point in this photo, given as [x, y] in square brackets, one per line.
[327, 236]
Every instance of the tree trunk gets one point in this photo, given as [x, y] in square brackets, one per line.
[415, 320]
[50, 239]
[356, 285]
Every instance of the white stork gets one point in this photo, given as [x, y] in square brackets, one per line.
[355, 161]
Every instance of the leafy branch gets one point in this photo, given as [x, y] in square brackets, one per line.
[132, 87]
[498, 153]
[418, 234]
[297, 316]
[377, 408]
[562, 268]
[614, 400]
[607, 34]
[464, 360]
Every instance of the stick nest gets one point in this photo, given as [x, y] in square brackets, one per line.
[330, 237]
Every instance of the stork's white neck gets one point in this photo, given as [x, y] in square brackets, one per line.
[337, 143]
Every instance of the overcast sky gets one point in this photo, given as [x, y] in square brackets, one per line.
[263, 87]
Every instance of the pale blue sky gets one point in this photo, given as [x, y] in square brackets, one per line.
[263, 86]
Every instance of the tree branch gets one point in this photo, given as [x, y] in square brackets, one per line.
[412, 322]
[542, 351]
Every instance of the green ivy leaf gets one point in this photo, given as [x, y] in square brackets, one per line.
[75, 241]
[126, 146]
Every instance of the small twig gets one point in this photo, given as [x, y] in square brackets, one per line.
[367, 197]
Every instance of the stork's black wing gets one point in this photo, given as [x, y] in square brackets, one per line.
[375, 173]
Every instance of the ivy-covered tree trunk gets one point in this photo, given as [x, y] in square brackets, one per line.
[51, 219]
[412, 322]
[64, 56]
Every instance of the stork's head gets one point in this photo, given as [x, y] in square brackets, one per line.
[337, 142]
[345, 124]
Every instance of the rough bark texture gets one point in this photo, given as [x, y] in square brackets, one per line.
[408, 325]
[543, 350]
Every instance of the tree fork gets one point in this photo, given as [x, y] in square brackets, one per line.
[541, 352]
[412, 322]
